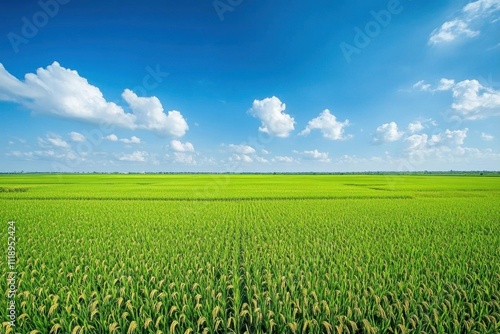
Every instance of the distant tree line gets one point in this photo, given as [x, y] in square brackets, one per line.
[450, 172]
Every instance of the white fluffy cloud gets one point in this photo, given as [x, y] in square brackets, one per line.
[474, 13]
[58, 142]
[474, 101]
[114, 138]
[450, 31]
[422, 85]
[387, 132]
[178, 146]
[245, 154]
[447, 138]
[241, 149]
[149, 115]
[38, 155]
[62, 92]
[328, 125]
[315, 155]
[471, 100]
[416, 126]
[137, 156]
[241, 158]
[53, 140]
[284, 159]
[77, 137]
[486, 137]
[444, 149]
[183, 153]
[132, 140]
[271, 112]
[423, 145]
[445, 84]
[261, 160]
[481, 8]
[52, 147]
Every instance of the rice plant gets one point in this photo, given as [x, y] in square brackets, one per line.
[255, 254]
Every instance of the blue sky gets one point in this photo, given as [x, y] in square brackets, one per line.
[242, 86]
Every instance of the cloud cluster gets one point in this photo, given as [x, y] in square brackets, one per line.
[274, 121]
[420, 147]
[450, 31]
[53, 140]
[486, 137]
[283, 159]
[114, 138]
[184, 153]
[137, 156]
[471, 100]
[149, 115]
[443, 147]
[314, 155]
[421, 142]
[415, 127]
[62, 92]
[421, 85]
[241, 158]
[178, 146]
[328, 125]
[474, 13]
[77, 137]
[51, 147]
[132, 140]
[241, 149]
[245, 153]
[447, 143]
[474, 101]
[387, 133]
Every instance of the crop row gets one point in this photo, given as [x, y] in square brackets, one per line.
[301, 266]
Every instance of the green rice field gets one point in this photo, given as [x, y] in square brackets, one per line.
[251, 254]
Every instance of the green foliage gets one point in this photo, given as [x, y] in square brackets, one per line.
[256, 254]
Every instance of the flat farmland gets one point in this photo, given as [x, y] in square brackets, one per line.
[253, 253]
